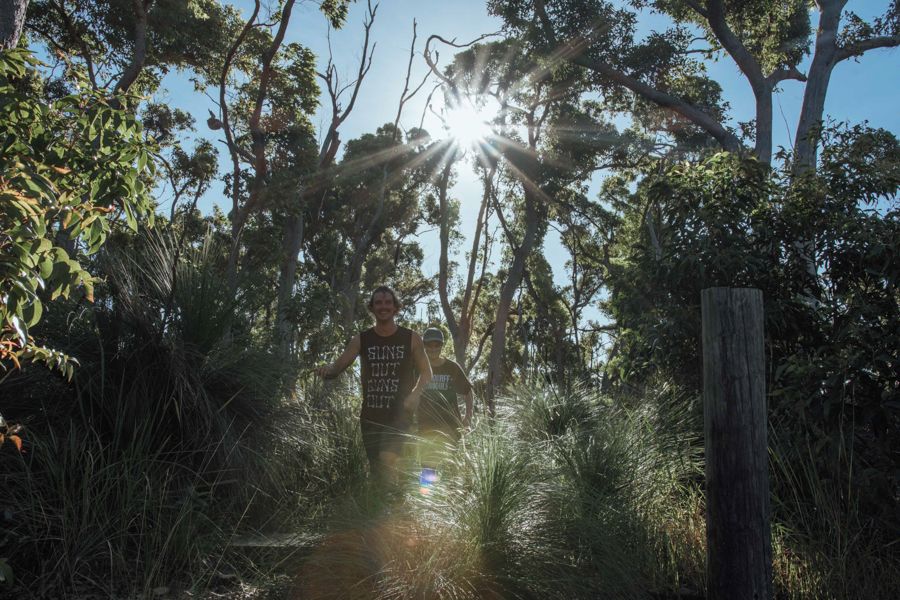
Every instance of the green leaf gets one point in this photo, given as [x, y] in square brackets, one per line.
[33, 312]
[20, 328]
[130, 218]
[46, 267]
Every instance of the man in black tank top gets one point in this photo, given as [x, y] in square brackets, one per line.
[390, 356]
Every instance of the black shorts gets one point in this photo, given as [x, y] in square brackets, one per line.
[380, 437]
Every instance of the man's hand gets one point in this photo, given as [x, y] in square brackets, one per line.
[411, 403]
[343, 361]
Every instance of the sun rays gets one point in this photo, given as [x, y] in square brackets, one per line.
[468, 125]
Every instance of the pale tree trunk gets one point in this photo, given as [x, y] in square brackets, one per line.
[763, 150]
[139, 55]
[809, 127]
[512, 283]
[461, 330]
[472, 294]
[824, 59]
[350, 289]
[762, 85]
[443, 261]
[293, 239]
[12, 21]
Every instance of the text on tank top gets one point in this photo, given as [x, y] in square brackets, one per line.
[387, 372]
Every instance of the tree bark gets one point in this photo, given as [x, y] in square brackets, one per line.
[824, 58]
[12, 21]
[293, 239]
[752, 70]
[513, 280]
[443, 261]
[574, 50]
[139, 54]
[739, 544]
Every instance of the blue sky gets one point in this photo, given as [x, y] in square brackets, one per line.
[859, 91]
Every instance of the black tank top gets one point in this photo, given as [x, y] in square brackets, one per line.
[387, 374]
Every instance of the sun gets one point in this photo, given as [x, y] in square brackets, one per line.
[468, 125]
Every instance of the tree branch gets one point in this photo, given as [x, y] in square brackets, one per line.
[783, 74]
[573, 51]
[223, 82]
[453, 44]
[695, 6]
[476, 240]
[139, 56]
[85, 51]
[258, 137]
[862, 46]
[733, 45]
[331, 142]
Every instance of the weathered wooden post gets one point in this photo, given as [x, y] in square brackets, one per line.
[739, 540]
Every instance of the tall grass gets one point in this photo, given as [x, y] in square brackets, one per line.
[825, 545]
[91, 518]
[171, 439]
[570, 495]
[562, 496]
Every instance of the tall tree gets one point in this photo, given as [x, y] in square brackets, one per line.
[316, 185]
[549, 140]
[281, 88]
[364, 209]
[466, 301]
[120, 44]
[767, 40]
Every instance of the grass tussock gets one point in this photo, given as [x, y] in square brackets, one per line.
[562, 496]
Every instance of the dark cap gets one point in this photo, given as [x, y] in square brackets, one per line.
[433, 334]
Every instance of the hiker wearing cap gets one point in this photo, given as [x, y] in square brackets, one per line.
[439, 418]
[391, 357]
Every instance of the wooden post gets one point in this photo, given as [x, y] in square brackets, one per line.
[739, 539]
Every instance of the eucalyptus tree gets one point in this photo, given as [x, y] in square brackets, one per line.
[459, 307]
[549, 140]
[266, 94]
[119, 44]
[309, 199]
[584, 233]
[767, 40]
[364, 221]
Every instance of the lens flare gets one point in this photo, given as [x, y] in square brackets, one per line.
[427, 478]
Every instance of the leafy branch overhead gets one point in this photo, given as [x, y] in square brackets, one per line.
[766, 40]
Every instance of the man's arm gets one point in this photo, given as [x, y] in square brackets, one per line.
[423, 366]
[467, 391]
[343, 361]
[469, 397]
